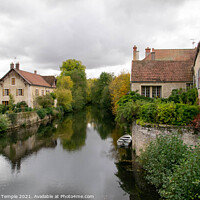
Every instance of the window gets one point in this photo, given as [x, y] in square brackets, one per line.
[5, 103]
[12, 81]
[42, 92]
[36, 92]
[146, 91]
[20, 92]
[156, 91]
[6, 92]
[189, 86]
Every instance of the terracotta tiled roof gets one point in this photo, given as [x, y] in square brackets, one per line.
[33, 79]
[173, 54]
[161, 71]
[50, 79]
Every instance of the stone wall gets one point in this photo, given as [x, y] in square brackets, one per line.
[142, 135]
[25, 119]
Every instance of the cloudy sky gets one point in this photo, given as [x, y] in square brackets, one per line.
[41, 34]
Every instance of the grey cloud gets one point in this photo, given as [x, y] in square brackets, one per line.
[97, 32]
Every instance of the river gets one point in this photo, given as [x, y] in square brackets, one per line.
[75, 156]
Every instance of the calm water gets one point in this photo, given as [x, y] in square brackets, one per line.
[76, 156]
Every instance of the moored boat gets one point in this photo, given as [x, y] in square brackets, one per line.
[124, 140]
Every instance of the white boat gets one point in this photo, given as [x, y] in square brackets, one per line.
[125, 140]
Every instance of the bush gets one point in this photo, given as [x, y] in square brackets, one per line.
[45, 101]
[161, 157]
[21, 104]
[128, 111]
[4, 123]
[3, 108]
[49, 111]
[184, 183]
[166, 113]
[186, 113]
[148, 112]
[132, 97]
[185, 97]
[161, 111]
[41, 113]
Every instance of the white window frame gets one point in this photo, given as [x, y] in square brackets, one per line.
[18, 92]
[145, 91]
[5, 91]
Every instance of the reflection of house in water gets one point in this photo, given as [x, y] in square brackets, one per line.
[22, 148]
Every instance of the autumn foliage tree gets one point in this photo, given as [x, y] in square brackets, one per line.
[119, 87]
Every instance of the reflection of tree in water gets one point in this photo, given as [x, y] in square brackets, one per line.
[72, 131]
[131, 179]
[46, 130]
[102, 121]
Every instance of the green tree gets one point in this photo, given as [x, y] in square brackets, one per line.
[90, 84]
[76, 71]
[100, 94]
[71, 65]
[64, 98]
[64, 82]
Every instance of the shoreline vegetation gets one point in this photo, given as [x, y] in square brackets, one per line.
[171, 166]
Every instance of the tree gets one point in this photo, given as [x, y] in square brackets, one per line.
[78, 101]
[119, 87]
[64, 82]
[45, 101]
[64, 98]
[76, 71]
[71, 65]
[99, 94]
[90, 84]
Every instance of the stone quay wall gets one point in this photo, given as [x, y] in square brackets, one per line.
[143, 135]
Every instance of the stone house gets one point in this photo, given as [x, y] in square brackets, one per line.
[24, 86]
[197, 69]
[161, 71]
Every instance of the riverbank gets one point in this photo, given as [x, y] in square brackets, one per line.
[142, 135]
[25, 119]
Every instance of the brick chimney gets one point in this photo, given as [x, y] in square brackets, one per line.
[35, 72]
[135, 53]
[11, 65]
[153, 55]
[17, 66]
[147, 51]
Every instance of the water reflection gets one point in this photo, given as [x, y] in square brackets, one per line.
[131, 178]
[77, 155]
[72, 131]
[102, 121]
[21, 143]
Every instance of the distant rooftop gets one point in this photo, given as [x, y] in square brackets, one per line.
[172, 54]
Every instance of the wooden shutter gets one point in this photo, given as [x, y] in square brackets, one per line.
[16, 92]
[8, 91]
[22, 92]
[3, 92]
